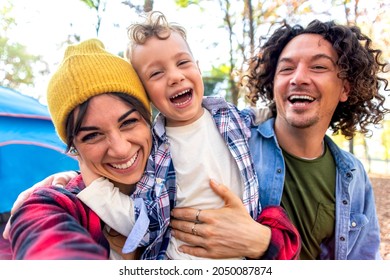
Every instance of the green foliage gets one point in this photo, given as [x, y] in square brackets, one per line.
[16, 64]
[92, 4]
[386, 138]
[222, 71]
[216, 80]
[186, 3]
[213, 85]
[5, 21]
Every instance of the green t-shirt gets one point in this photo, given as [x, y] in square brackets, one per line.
[309, 199]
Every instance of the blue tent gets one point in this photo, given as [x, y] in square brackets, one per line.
[30, 149]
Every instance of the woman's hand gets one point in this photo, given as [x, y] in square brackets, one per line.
[227, 232]
[88, 175]
[58, 179]
[117, 241]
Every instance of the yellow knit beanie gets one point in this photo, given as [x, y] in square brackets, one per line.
[86, 71]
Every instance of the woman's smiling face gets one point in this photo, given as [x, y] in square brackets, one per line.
[114, 140]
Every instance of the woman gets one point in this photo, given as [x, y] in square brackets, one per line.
[100, 110]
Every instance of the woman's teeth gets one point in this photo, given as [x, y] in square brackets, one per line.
[127, 164]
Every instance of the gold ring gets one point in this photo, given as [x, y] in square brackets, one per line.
[193, 229]
[197, 216]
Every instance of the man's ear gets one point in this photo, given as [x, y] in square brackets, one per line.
[345, 91]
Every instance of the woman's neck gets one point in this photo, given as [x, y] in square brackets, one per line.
[123, 188]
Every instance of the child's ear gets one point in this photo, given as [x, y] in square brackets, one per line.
[197, 64]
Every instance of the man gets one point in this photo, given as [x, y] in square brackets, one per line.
[314, 78]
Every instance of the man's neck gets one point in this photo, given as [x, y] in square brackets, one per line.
[305, 143]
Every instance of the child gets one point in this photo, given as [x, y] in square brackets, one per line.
[195, 139]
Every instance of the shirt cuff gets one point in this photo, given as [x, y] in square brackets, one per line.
[140, 228]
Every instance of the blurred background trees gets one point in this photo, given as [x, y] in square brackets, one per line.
[242, 26]
[16, 64]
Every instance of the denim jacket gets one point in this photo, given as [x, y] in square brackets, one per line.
[357, 233]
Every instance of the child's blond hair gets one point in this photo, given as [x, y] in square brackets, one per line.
[155, 25]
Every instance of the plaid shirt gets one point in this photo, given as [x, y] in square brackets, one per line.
[158, 185]
[53, 224]
[285, 240]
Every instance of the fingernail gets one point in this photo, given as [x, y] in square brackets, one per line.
[214, 181]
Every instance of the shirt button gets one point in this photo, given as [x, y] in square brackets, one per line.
[279, 170]
[159, 180]
[353, 224]
[342, 238]
[345, 202]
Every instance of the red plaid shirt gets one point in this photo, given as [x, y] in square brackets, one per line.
[53, 224]
[285, 240]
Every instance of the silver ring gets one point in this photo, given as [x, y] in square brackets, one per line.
[197, 216]
[193, 229]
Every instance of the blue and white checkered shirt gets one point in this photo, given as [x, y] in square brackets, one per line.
[157, 187]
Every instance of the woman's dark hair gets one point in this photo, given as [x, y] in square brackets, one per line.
[73, 125]
[359, 63]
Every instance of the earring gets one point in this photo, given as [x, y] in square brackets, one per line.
[73, 151]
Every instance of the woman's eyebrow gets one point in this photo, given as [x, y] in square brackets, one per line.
[121, 118]
[88, 128]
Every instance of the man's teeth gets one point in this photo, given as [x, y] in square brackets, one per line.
[301, 97]
[127, 164]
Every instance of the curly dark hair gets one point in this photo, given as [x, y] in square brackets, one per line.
[358, 61]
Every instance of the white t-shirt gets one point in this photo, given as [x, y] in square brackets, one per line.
[199, 153]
